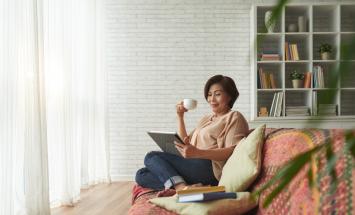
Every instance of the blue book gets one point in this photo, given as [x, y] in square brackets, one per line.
[202, 197]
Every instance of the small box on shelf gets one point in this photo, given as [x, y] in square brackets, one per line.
[263, 112]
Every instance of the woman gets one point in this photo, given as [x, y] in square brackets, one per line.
[206, 149]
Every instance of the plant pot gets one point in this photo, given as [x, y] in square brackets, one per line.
[325, 55]
[297, 83]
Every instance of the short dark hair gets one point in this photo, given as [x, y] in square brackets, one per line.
[227, 84]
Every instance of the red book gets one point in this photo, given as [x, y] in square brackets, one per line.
[307, 80]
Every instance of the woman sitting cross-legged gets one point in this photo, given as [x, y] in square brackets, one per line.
[206, 149]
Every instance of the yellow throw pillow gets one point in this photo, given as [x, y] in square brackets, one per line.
[243, 203]
[243, 166]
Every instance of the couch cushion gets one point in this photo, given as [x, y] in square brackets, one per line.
[243, 166]
[243, 203]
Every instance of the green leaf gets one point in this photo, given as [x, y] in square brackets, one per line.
[310, 177]
[350, 142]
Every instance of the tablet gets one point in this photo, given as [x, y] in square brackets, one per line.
[165, 140]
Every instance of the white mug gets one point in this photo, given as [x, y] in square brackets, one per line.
[190, 104]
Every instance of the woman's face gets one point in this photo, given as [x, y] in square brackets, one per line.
[218, 99]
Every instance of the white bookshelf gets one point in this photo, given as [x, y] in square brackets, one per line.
[325, 23]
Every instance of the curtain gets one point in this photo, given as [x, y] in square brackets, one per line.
[75, 94]
[52, 103]
[23, 144]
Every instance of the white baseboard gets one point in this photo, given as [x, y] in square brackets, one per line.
[122, 178]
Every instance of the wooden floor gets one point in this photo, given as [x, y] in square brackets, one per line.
[114, 198]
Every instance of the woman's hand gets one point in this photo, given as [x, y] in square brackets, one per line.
[187, 150]
[180, 110]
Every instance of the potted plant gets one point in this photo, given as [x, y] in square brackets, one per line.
[325, 50]
[297, 79]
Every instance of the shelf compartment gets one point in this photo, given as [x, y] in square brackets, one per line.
[325, 18]
[292, 14]
[329, 74]
[265, 99]
[275, 70]
[298, 99]
[348, 78]
[302, 42]
[347, 19]
[347, 102]
[319, 39]
[325, 97]
[269, 45]
[261, 20]
[290, 67]
[345, 41]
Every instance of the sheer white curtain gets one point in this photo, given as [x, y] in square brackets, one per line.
[75, 97]
[23, 142]
[52, 103]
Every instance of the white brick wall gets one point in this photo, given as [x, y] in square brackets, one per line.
[160, 51]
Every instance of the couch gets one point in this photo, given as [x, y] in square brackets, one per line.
[298, 197]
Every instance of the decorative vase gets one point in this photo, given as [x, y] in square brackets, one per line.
[325, 55]
[301, 24]
[270, 26]
[297, 83]
[292, 28]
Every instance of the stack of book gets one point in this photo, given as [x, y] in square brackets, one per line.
[276, 106]
[201, 194]
[266, 80]
[265, 56]
[297, 111]
[291, 51]
[318, 77]
[327, 109]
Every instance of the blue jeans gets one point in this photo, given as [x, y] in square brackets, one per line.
[165, 170]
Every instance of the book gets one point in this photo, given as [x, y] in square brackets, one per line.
[315, 105]
[296, 52]
[201, 197]
[273, 105]
[199, 190]
[276, 103]
[272, 81]
[307, 80]
[278, 111]
[287, 53]
[260, 86]
[267, 78]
